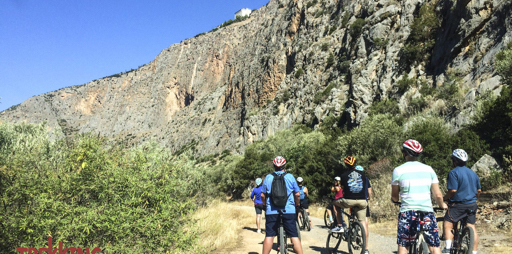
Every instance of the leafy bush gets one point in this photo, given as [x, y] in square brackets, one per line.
[422, 38]
[504, 64]
[324, 47]
[312, 3]
[91, 194]
[382, 107]
[404, 84]
[299, 72]
[322, 96]
[357, 27]
[330, 61]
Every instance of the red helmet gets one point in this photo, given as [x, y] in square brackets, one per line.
[412, 147]
[279, 161]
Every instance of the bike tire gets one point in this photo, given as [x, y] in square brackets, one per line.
[327, 221]
[333, 243]
[300, 219]
[282, 241]
[356, 238]
[423, 246]
[467, 241]
[298, 230]
[306, 221]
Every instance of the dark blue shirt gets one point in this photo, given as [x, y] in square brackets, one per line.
[291, 187]
[465, 182]
[256, 194]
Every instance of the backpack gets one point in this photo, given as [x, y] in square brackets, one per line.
[278, 193]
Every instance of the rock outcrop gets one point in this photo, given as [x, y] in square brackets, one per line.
[292, 61]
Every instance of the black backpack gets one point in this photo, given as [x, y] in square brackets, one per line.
[278, 193]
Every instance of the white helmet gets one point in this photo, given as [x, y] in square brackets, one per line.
[258, 181]
[299, 179]
[337, 178]
[460, 155]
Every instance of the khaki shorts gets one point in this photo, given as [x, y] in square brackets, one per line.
[358, 205]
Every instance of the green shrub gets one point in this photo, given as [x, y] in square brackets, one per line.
[91, 194]
[422, 38]
[299, 72]
[322, 96]
[357, 27]
[504, 64]
[330, 61]
[404, 84]
[312, 3]
[324, 47]
[345, 20]
[389, 106]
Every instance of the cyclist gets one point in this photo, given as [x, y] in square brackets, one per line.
[367, 194]
[415, 182]
[304, 194]
[258, 203]
[338, 194]
[272, 215]
[463, 189]
[354, 187]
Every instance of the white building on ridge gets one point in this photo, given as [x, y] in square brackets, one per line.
[243, 12]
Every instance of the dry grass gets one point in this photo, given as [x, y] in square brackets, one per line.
[220, 223]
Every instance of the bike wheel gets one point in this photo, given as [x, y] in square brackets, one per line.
[467, 241]
[333, 243]
[307, 224]
[282, 241]
[327, 220]
[300, 220]
[298, 230]
[356, 238]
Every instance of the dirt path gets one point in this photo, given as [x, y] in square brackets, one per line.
[314, 241]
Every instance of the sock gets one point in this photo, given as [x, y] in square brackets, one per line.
[330, 218]
[448, 244]
[474, 252]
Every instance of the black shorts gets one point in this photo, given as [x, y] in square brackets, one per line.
[304, 203]
[457, 211]
[259, 208]
[272, 224]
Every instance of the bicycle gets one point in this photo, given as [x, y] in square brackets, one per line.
[419, 245]
[303, 219]
[282, 239]
[354, 235]
[463, 236]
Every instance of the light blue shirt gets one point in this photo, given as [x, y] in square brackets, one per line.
[466, 183]
[291, 187]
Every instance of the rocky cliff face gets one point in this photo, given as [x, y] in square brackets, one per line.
[292, 61]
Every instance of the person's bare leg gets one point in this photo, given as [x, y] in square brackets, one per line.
[307, 211]
[365, 226]
[297, 246]
[401, 250]
[258, 219]
[337, 211]
[267, 244]
[476, 236]
[434, 250]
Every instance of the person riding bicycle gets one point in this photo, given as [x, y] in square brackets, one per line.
[338, 194]
[354, 186]
[367, 194]
[258, 203]
[304, 194]
[415, 182]
[463, 189]
[287, 215]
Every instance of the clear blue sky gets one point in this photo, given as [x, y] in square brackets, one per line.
[52, 44]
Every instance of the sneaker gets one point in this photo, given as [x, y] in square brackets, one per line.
[259, 231]
[337, 230]
[445, 250]
[366, 252]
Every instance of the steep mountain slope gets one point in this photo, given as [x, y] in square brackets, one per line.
[292, 61]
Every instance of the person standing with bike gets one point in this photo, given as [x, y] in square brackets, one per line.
[274, 214]
[353, 183]
[414, 183]
[258, 203]
[304, 194]
[463, 190]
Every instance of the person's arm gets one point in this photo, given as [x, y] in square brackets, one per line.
[369, 193]
[306, 192]
[449, 194]
[395, 193]
[264, 198]
[296, 195]
[438, 196]
[478, 192]
[252, 195]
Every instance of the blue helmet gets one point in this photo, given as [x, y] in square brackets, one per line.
[258, 181]
[360, 168]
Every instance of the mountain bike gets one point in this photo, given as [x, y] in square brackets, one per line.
[419, 245]
[303, 219]
[354, 235]
[282, 238]
[463, 236]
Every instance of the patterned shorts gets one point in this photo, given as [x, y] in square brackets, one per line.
[409, 225]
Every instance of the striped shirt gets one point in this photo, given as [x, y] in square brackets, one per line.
[415, 180]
